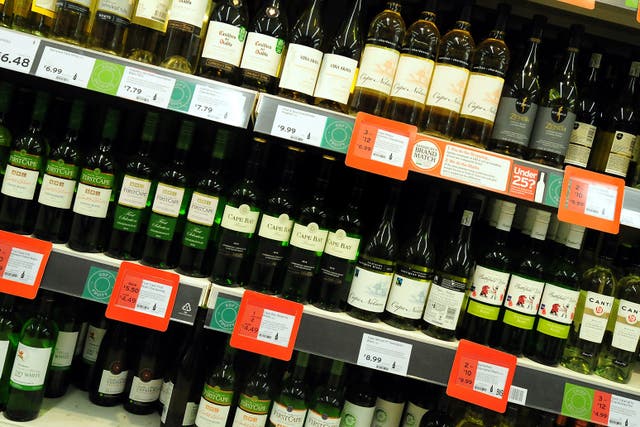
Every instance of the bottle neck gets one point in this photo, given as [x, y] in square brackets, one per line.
[45, 307]
[145, 147]
[569, 63]
[263, 366]
[394, 7]
[462, 25]
[301, 366]
[335, 376]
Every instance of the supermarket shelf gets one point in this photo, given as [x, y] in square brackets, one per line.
[135, 81]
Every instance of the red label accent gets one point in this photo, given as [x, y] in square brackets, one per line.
[523, 182]
[601, 407]
[22, 263]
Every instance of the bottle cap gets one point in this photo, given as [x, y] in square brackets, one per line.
[111, 122]
[575, 236]
[540, 224]
[505, 217]
[538, 24]
[577, 31]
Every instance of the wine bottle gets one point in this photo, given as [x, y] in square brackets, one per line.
[33, 16]
[110, 24]
[83, 372]
[556, 113]
[180, 47]
[340, 64]
[239, 222]
[588, 116]
[204, 214]
[490, 281]
[452, 278]
[5, 14]
[519, 101]
[134, 201]
[224, 44]
[66, 317]
[276, 224]
[440, 416]
[389, 402]
[30, 366]
[374, 270]
[326, 403]
[450, 77]
[304, 55]
[94, 195]
[265, 45]
[360, 400]
[10, 327]
[148, 26]
[523, 296]
[413, 275]
[488, 68]
[6, 95]
[415, 68]
[255, 397]
[53, 219]
[218, 394]
[72, 21]
[112, 367]
[290, 407]
[169, 205]
[145, 376]
[419, 402]
[379, 61]
[308, 239]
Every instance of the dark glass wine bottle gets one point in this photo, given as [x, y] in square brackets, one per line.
[65, 315]
[53, 219]
[390, 400]
[94, 195]
[72, 21]
[145, 376]
[218, 394]
[6, 97]
[169, 205]
[109, 26]
[83, 372]
[420, 401]
[290, 406]
[112, 367]
[360, 399]
[379, 61]
[326, 402]
[10, 329]
[255, 397]
[148, 26]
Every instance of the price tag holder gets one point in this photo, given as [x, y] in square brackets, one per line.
[143, 296]
[298, 125]
[17, 51]
[384, 354]
[218, 104]
[66, 67]
[585, 4]
[591, 199]
[143, 86]
[482, 376]
[267, 325]
[22, 263]
[380, 146]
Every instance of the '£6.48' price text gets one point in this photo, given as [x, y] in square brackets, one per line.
[18, 60]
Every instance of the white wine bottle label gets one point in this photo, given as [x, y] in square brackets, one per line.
[21, 176]
[487, 292]
[336, 78]
[482, 96]
[583, 135]
[408, 294]
[577, 155]
[387, 414]
[524, 295]
[241, 219]
[286, 416]
[224, 43]
[4, 350]
[595, 316]
[514, 120]
[165, 393]
[80, 6]
[557, 310]
[300, 69]
[444, 302]
[64, 349]
[153, 10]
[412, 78]
[276, 228]
[92, 343]
[617, 164]
[447, 87]
[44, 7]
[58, 185]
[342, 246]
[190, 12]
[413, 415]
[620, 153]
[113, 383]
[370, 285]
[627, 329]
[145, 391]
[30, 367]
[309, 237]
[202, 209]
[120, 8]
[168, 200]
[315, 419]
[92, 201]
[377, 68]
[134, 192]
[251, 412]
[214, 407]
[190, 413]
[552, 129]
[262, 53]
[356, 416]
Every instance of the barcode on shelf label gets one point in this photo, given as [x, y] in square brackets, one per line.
[490, 379]
[298, 125]
[17, 51]
[143, 86]
[22, 266]
[390, 148]
[218, 104]
[66, 67]
[601, 201]
[517, 395]
[384, 354]
[276, 327]
[153, 298]
[624, 412]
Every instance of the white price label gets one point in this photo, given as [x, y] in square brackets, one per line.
[624, 412]
[218, 104]
[22, 266]
[601, 201]
[66, 67]
[276, 328]
[153, 298]
[143, 86]
[390, 148]
[490, 379]
[297, 125]
[384, 354]
[17, 51]
[630, 218]
[517, 395]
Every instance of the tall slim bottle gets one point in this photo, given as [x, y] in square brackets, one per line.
[109, 379]
[390, 401]
[96, 330]
[10, 329]
[218, 393]
[325, 406]
[6, 97]
[110, 24]
[72, 21]
[450, 78]
[360, 399]
[33, 16]
[255, 397]
[379, 61]
[148, 25]
[145, 375]
[66, 317]
[290, 407]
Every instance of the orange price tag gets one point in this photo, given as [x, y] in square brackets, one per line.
[380, 146]
[143, 296]
[585, 4]
[481, 375]
[591, 199]
[601, 407]
[267, 325]
[22, 263]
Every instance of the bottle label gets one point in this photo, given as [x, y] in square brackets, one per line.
[413, 415]
[552, 129]
[262, 53]
[412, 78]
[64, 350]
[301, 67]
[447, 87]
[356, 416]
[4, 350]
[165, 394]
[224, 43]
[202, 209]
[487, 292]
[44, 7]
[21, 175]
[30, 367]
[127, 219]
[214, 408]
[94, 193]
[80, 6]
[276, 228]
[557, 310]
[58, 185]
[196, 236]
[251, 412]
[617, 165]
[168, 200]
[409, 290]
[145, 389]
[370, 286]
[116, 11]
[113, 381]
[286, 416]
[595, 316]
[514, 120]
[340, 245]
[620, 153]
[387, 414]
[92, 344]
[161, 227]
[315, 419]
[153, 10]
[336, 78]
[482, 96]
[134, 192]
[522, 300]
[189, 12]
[580, 143]
[627, 330]
[309, 237]
[377, 68]
[190, 413]
[444, 303]
[241, 219]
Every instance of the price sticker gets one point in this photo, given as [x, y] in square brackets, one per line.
[390, 148]
[384, 354]
[585, 4]
[601, 407]
[146, 87]
[22, 264]
[17, 50]
[65, 66]
[298, 125]
[624, 412]
[218, 104]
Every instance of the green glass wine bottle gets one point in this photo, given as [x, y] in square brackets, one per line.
[218, 394]
[94, 196]
[325, 407]
[360, 399]
[145, 379]
[169, 205]
[255, 397]
[53, 220]
[96, 330]
[134, 201]
[420, 400]
[390, 400]
[10, 327]
[65, 314]
[290, 407]
[6, 96]
[112, 367]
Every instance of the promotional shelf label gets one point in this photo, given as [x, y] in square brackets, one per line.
[22, 263]
[600, 407]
